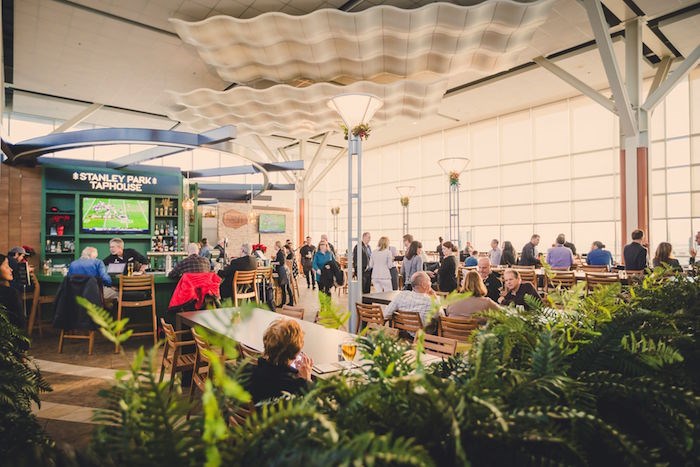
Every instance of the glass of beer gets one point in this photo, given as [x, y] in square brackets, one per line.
[349, 348]
[129, 268]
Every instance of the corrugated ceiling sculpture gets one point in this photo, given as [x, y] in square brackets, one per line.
[300, 111]
[382, 44]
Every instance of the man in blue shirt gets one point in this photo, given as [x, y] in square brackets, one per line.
[89, 265]
[560, 257]
[598, 256]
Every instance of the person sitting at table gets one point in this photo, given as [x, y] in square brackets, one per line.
[221, 248]
[245, 262]
[282, 276]
[17, 257]
[412, 263]
[508, 255]
[472, 260]
[193, 263]
[599, 256]
[516, 290]
[9, 296]
[419, 300]
[490, 279]
[528, 257]
[478, 301]
[447, 274]
[321, 258]
[119, 255]
[283, 368]
[381, 262]
[560, 257]
[635, 254]
[89, 265]
[664, 256]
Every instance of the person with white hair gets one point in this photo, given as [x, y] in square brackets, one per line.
[89, 265]
[244, 262]
[419, 300]
[193, 263]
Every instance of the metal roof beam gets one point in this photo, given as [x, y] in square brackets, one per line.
[675, 77]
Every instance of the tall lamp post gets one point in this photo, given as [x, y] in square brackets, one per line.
[405, 192]
[453, 167]
[354, 110]
[335, 210]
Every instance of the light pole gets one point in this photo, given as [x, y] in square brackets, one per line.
[453, 167]
[355, 110]
[335, 210]
[405, 192]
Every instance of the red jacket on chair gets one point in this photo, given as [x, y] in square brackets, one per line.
[195, 286]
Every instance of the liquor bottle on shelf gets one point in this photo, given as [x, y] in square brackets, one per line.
[175, 230]
[53, 247]
[167, 229]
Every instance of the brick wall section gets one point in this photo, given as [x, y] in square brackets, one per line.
[236, 214]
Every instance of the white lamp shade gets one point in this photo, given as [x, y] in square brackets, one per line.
[355, 109]
[406, 190]
[454, 164]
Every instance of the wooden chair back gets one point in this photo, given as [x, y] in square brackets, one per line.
[368, 314]
[144, 290]
[292, 311]
[200, 371]
[249, 353]
[409, 321]
[521, 267]
[594, 268]
[561, 279]
[375, 327]
[458, 328]
[595, 280]
[244, 286]
[173, 357]
[439, 346]
[529, 275]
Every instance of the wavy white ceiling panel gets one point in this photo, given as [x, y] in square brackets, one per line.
[300, 111]
[330, 44]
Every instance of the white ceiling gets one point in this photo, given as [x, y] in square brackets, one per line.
[125, 54]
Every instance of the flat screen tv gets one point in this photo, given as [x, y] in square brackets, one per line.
[272, 223]
[115, 215]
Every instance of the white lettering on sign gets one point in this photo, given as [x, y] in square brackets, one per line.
[115, 182]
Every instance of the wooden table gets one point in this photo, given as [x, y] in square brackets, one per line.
[380, 298]
[320, 343]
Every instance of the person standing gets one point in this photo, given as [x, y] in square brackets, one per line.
[412, 263]
[694, 251]
[307, 252]
[221, 247]
[205, 251]
[439, 248]
[508, 254]
[322, 257]
[635, 254]
[495, 253]
[324, 238]
[407, 240]
[381, 262]
[16, 258]
[447, 274]
[528, 257]
[366, 255]
[282, 276]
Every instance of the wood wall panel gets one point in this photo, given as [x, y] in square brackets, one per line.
[20, 208]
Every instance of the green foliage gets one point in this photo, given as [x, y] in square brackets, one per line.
[331, 315]
[110, 328]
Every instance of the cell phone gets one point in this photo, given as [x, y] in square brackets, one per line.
[297, 361]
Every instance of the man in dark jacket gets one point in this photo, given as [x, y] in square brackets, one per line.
[635, 254]
[528, 257]
[491, 281]
[245, 262]
[121, 255]
[68, 314]
[366, 253]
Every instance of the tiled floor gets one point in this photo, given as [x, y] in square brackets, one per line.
[76, 377]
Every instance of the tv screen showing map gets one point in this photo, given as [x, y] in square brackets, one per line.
[272, 223]
[115, 215]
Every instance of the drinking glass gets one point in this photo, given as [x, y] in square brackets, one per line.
[129, 269]
[349, 348]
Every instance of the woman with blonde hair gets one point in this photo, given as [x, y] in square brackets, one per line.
[476, 302]
[381, 262]
[664, 255]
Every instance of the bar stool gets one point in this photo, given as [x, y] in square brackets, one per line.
[37, 301]
[138, 292]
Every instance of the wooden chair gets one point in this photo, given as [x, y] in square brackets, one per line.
[458, 328]
[439, 346]
[176, 362]
[292, 311]
[594, 268]
[596, 280]
[138, 292]
[375, 327]
[78, 335]
[200, 369]
[249, 353]
[263, 277]
[529, 275]
[293, 280]
[634, 273]
[521, 267]
[561, 279]
[343, 288]
[244, 286]
[368, 314]
[35, 314]
[408, 321]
